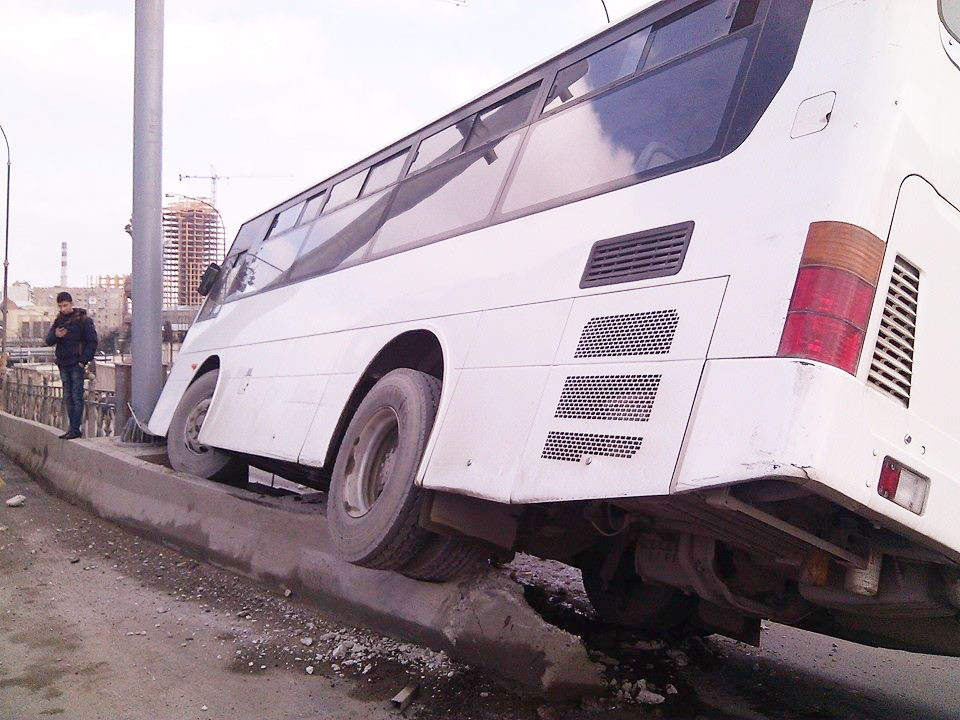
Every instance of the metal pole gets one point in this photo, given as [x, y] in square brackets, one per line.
[147, 380]
[6, 254]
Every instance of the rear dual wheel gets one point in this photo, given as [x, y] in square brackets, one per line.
[374, 505]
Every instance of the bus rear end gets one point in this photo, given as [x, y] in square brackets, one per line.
[819, 471]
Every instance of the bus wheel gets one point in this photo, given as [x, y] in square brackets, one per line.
[184, 449]
[444, 558]
[373, 506]
[626, 600]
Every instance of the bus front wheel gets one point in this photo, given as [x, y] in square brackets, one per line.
[373, 506]
[186, 452]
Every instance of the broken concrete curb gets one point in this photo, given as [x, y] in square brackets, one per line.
[483, 621]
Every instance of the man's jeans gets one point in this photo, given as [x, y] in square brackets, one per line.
[72, 377]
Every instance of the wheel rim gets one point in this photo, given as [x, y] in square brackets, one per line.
[192, 426]
[370, 465]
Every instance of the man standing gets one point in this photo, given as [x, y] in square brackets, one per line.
[75, 336]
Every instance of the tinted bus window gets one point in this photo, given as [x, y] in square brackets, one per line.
[442, 145]
[340, 236]
[690, 31]
[454, 195]
[598, 70]
[385, 173]
[503, 117]
[250, 234]
[263, 268]
[287, 219]
[659, 119]
[313, 208]
[346, 190]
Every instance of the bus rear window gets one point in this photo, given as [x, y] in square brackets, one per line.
[663, 118]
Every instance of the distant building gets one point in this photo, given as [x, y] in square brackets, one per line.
[21, 293]
[106, 305]
[114, 281]
[29, 322]
[192, 239]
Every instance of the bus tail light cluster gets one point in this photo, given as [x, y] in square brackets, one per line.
[903, 486]
[833, 295]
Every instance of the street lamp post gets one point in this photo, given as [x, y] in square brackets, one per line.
[147, 221]
[6, 253]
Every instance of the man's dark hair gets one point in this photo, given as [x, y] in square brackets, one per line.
[64, 297]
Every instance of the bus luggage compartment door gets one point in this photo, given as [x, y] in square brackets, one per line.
[619, 395]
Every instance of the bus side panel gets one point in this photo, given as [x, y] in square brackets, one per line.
[600, 410]
[481, 437]
[268, 394]
[361, 347]
[617, 403]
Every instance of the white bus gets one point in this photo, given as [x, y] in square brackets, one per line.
[675, 306]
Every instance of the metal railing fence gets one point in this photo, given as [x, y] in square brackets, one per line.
[43, 402]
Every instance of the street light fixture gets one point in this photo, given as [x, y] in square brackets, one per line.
[6, 254]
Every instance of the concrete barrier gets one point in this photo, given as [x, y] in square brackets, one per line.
[482, 621]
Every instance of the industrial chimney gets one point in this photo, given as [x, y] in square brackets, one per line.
[63, 264]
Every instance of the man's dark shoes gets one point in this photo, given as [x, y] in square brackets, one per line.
[70, 435]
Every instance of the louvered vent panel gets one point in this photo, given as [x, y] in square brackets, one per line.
[649, 254]
[608, 397]
[648, 333]
[572, 446]
[891, 369]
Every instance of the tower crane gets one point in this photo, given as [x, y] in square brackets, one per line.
[214, 177]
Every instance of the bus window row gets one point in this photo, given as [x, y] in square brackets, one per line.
[648, 101]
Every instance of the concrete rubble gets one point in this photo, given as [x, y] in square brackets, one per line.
[16, 501]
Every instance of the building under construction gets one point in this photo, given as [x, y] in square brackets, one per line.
[192, 239]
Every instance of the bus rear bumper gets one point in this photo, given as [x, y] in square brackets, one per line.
[823, 428]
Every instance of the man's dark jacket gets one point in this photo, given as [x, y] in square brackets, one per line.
[80, 342]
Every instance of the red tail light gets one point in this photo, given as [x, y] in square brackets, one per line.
[833, 295]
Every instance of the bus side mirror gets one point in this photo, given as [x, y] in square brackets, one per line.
[208, 279]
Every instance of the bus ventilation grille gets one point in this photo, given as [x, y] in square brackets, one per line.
[648, 254]
[647, 333]
[608, 397]
[574, 446]
[891, 369]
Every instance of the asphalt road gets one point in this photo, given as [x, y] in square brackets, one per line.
[96, 622]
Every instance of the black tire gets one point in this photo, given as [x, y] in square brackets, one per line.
[373, 506]
[628, 601]
[445, 558]
[183, 449]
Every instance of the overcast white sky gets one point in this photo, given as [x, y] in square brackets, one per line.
[290, 88]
